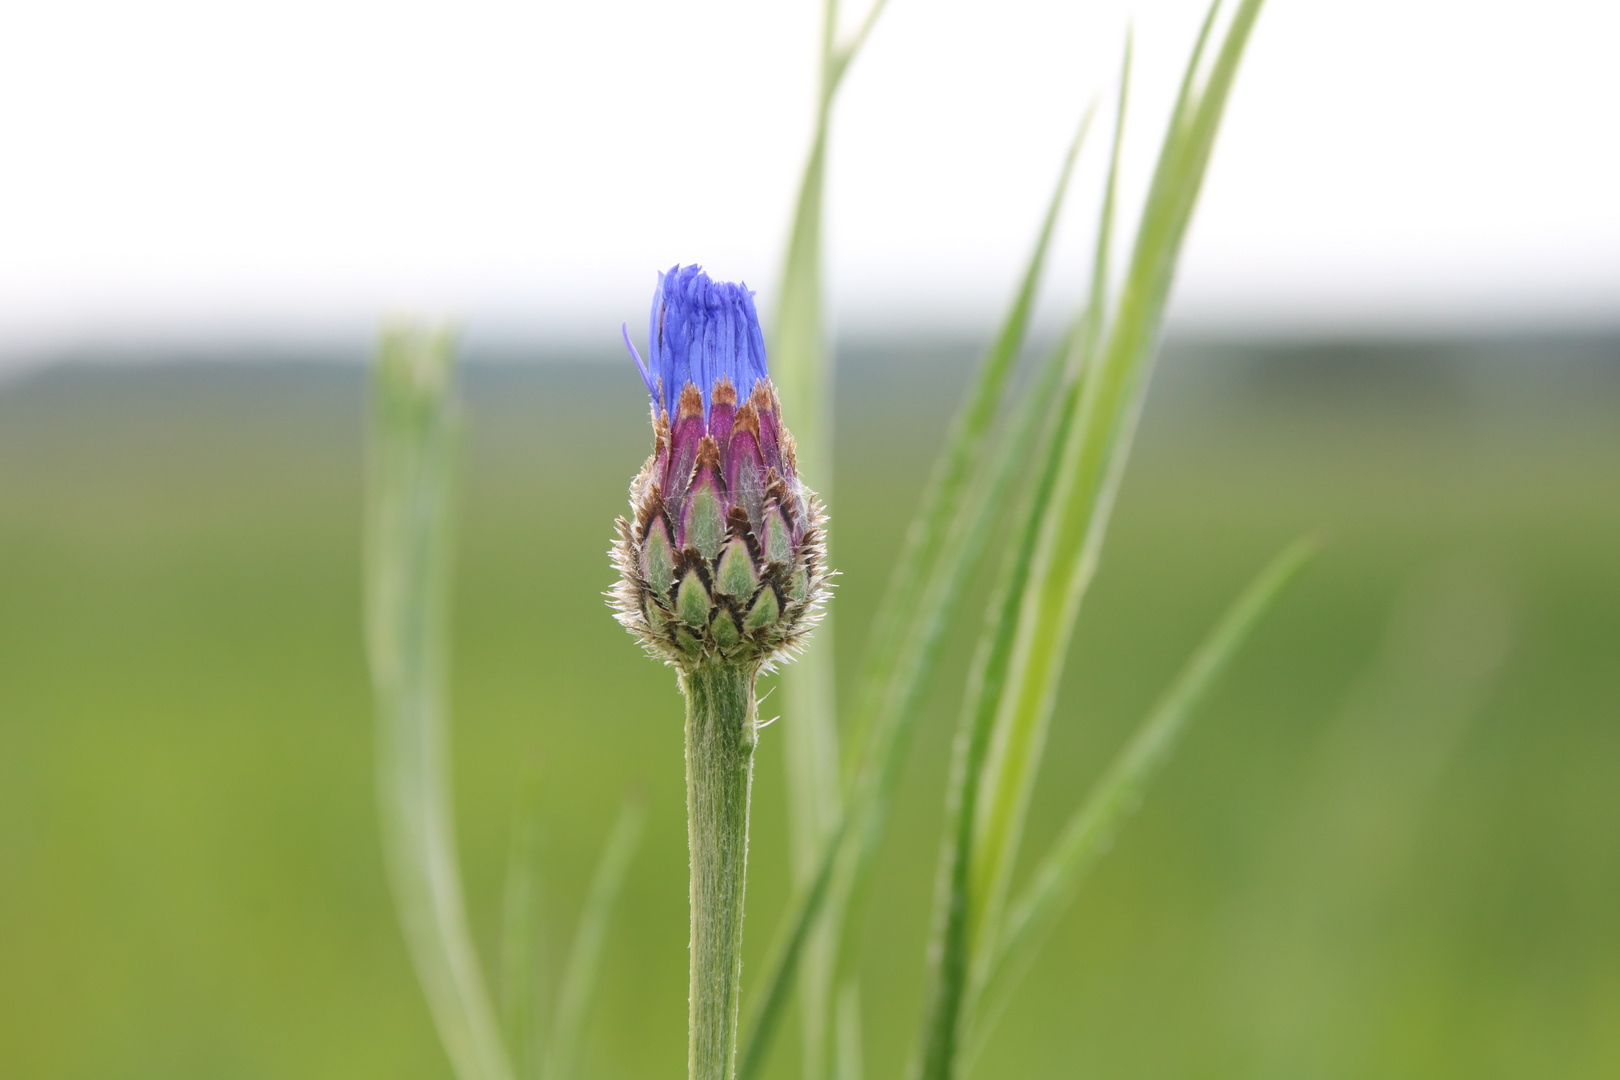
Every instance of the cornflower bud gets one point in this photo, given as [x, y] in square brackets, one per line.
[722, 558]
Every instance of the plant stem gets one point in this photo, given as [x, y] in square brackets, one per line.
[720, 739]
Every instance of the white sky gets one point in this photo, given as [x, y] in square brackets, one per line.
[177, 168]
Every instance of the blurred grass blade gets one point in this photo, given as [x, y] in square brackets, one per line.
[949, 948]
[802, 368]
[579, 980]
[1091, 829]
[839, 56]
[522, 946]
[1096, 447]
[414, 434]
[1315, 927]
[799, 363]
[802, 371]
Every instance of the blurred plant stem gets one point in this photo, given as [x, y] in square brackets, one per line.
[412, 451]
[414, 438]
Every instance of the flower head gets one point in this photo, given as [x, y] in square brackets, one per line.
[723, 556]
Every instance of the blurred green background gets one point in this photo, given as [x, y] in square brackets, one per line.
[1390, 847]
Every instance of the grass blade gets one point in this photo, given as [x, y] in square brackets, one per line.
[929, 571]
[961, 511]
[1092, 827]
[947, 949]
[964, 498]
[1093, 459]
[950, 944]
[413, 439]
[578, 987]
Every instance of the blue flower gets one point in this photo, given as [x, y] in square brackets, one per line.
[699, 331]
[722, 559]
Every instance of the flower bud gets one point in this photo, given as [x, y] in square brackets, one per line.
[722, 557]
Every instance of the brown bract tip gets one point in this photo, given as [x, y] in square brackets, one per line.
[723, 393]
[747, 419]
[763, 399]
[690, 403]
[708, 453]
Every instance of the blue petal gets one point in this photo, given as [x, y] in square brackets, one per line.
[646, 376]
[698, 331]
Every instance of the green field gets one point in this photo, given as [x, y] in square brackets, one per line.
[1390, 848]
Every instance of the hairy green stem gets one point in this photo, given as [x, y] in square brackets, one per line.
[720, 739]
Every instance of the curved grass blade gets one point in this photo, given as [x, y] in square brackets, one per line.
[960, 514]
[807, 906]
[957, 512]
[908, 621]
[950, 947]
[412, 445]
[578, 987]
[1093, 460]
[1093, 825]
